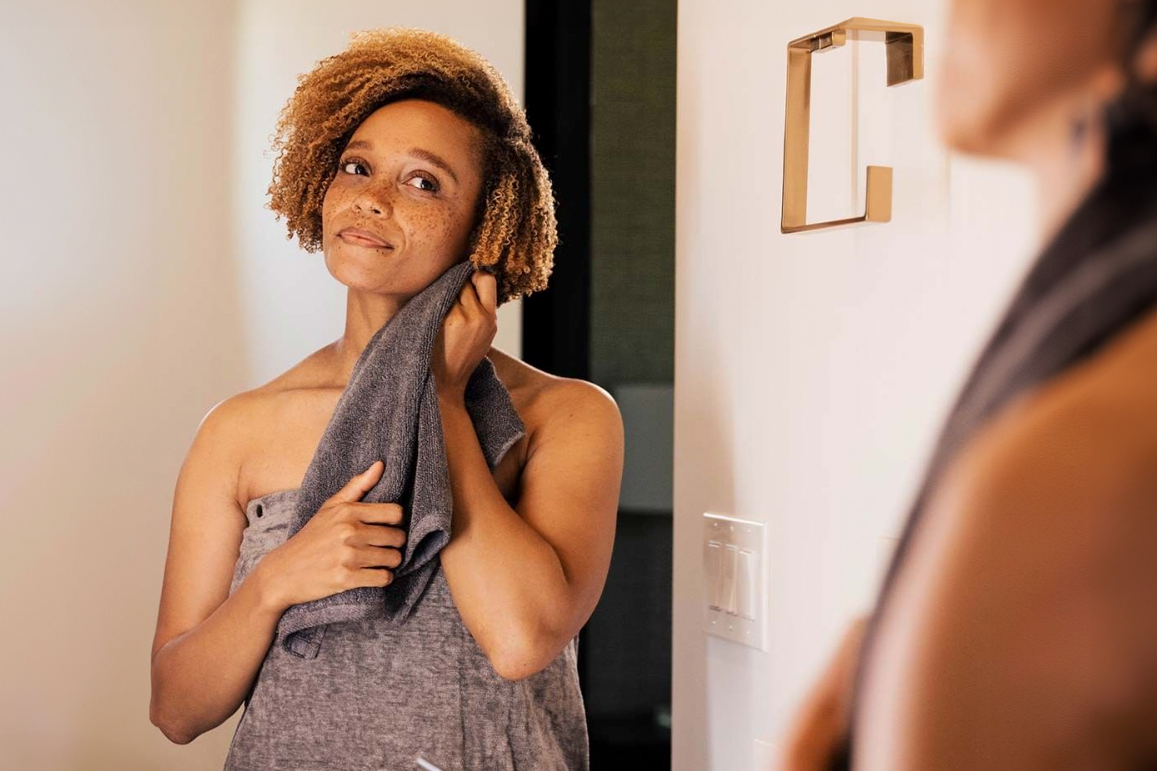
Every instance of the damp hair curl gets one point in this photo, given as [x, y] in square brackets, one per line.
[515, 231]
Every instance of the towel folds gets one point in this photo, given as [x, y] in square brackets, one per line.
[389, 412]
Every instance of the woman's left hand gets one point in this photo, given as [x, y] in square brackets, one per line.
[466, 334]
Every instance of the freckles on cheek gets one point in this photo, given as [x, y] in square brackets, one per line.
[437, 228]
[336, 199]
[328, 204]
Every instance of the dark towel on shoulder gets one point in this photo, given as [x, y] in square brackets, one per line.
[389, 412]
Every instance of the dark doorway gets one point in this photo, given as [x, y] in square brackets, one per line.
[600, 98]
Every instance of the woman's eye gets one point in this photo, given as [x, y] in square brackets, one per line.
[347, 165]
[431, 185]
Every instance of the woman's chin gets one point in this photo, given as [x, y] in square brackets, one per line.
[379, 270]
[362, 269]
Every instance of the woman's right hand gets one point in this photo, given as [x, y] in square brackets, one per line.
[346, 544]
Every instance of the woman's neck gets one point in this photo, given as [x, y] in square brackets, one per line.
[366, 313]
[1067, 161]
[1064, 146]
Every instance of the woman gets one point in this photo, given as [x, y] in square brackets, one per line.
[1015, 628]
[400, 157]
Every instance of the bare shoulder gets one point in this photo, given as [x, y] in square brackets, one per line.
[1043, 528]
[234, 420]
[237, 430]
[549, 404]
[215, 455]
[1084, 441]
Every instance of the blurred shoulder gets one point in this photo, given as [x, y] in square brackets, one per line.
[1086, 438]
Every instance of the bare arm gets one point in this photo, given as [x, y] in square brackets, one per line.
[1021, 633]
[526, 579]
[207, 647]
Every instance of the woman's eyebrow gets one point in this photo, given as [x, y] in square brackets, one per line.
[435, 159]
[417, 152]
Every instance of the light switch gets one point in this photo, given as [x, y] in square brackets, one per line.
[734, 579]
[746, 577]
[713, 574]
[730, 576]
[766, 753]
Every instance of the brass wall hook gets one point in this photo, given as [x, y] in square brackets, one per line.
[905, 53]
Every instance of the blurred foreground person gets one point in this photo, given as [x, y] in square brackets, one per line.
[1017, 624]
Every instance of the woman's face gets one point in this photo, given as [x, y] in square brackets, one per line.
[1008, 58]
[409, 178]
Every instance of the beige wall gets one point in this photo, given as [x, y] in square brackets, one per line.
[142, 283]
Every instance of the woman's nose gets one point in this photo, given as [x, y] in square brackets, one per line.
[373, 200]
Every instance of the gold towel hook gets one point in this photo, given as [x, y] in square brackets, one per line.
[905, 52]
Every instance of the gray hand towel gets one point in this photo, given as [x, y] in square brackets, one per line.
[389, 412]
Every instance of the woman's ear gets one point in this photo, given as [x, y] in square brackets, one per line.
[1107, 83]
[1146, 62]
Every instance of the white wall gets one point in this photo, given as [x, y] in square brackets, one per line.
[142, 282]
[812, 371]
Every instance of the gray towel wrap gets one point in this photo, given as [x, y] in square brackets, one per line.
[389, 412]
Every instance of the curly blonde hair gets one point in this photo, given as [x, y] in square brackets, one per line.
[515, 230]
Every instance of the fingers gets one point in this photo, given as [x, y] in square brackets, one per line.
[361, 484]
[469, 297]
[372, 577]
[379, 513]
[377, 547]
[360, 512]
[486, 286]
[481, 293]
[381, 535]
[377, 557]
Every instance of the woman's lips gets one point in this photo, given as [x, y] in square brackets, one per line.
[352, 237]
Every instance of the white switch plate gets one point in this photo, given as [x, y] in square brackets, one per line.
[766, 754]
[735, 579]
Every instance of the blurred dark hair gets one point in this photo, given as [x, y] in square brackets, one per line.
[1139, 21]
[1131, 118]
[1140, 18]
